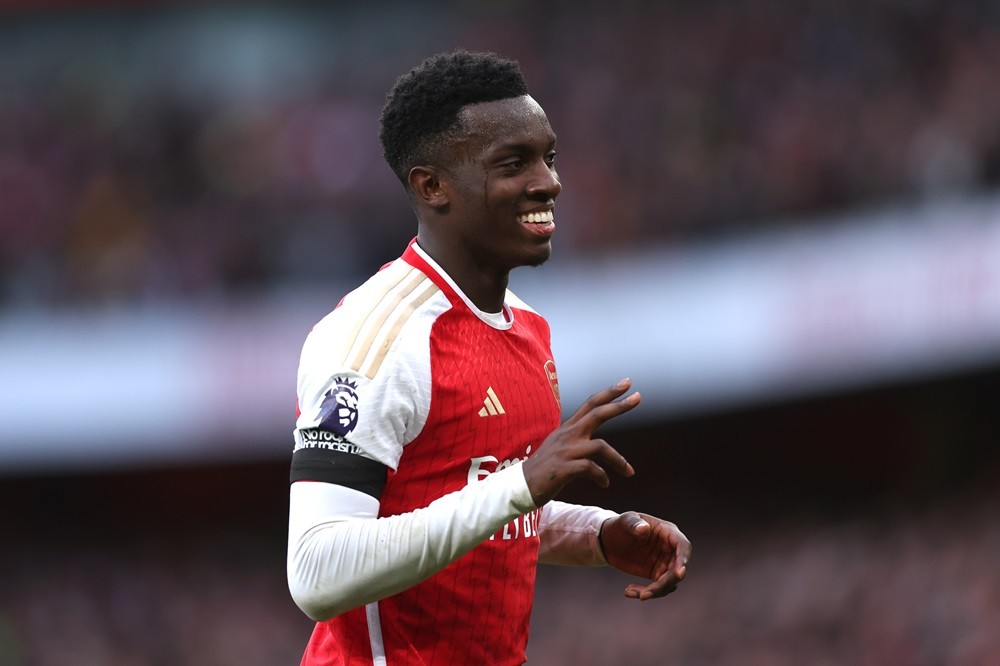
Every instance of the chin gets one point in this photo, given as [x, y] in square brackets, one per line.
[540, 258]
[537, 262]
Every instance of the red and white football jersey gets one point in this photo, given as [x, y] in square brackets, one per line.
[443, 395]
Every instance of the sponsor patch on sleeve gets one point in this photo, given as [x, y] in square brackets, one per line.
[338, 417]
[338, 413]
[325, 452]
[317, 438]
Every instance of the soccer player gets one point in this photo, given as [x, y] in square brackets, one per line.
[428, 447]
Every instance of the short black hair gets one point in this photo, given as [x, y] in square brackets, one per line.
[422, 107]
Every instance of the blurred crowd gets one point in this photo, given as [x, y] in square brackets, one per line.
[213, 151]
[129, 174]
[900, 589]
[215, 602]
[914, 588]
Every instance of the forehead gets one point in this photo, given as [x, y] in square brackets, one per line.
[514, 120]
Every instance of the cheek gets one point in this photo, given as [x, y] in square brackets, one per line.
[502, 196]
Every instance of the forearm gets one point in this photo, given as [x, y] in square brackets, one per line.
[341, 556]
[569, 533]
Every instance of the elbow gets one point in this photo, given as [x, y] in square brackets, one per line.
[314, 611]
[318, 584]
[316, 607]
[318, 602]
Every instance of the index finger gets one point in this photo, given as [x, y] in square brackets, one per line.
[682, 556]
[602, 406]
[682, 551]
[598, 416]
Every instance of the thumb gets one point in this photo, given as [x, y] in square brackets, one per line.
[636, 524]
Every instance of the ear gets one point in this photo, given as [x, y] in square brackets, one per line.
[425, 182]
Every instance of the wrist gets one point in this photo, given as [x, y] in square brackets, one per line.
[600, 549]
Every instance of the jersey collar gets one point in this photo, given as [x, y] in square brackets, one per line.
[419, 259]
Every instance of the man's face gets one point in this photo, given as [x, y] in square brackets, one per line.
[503, 184]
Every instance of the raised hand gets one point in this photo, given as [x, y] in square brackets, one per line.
[571, 451]
[643, 545]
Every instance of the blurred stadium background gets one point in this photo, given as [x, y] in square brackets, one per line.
[782, 219]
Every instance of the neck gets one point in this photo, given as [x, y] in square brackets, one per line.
[484, 287]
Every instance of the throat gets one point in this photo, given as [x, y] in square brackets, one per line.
[486, 290]
[488, 298]
[485, 286]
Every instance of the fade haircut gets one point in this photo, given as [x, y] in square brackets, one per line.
[421, 110]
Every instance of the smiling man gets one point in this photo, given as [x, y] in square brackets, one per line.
[428, 448]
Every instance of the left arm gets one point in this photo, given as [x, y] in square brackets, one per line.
[638, 544]
[568, 533]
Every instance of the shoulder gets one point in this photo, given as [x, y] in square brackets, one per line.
[371, 356]
[371, 320]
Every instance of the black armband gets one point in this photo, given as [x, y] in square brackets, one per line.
[344, 469]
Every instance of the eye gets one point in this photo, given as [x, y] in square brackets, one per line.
[550, 158]
[513, 165]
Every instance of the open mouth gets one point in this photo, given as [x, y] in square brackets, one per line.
[544, 218]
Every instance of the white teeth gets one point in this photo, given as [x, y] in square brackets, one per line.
[537, 218]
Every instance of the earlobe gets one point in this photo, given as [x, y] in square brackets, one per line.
[427, 187]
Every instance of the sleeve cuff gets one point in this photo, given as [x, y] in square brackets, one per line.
[514, 479]
[600, 516]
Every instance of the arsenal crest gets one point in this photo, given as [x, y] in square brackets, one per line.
[550, 373]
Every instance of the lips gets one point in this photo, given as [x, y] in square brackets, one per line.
[543, 217]
[540, 224]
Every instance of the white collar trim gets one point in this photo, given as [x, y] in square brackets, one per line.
[502, 320]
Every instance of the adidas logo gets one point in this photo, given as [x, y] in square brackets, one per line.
[491, 405]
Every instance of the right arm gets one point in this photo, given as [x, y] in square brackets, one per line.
[341, 556]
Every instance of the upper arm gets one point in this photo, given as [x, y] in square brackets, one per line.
[312, 504]
[364, 384]
[331, 466]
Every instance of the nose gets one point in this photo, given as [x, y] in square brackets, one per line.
[544, 184]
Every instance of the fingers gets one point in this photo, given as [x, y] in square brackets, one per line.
[668, 574]
[597, 459]
[654, 590]
[604, 406]
[570, 450]
[593, 460]
[682, 552]
[660, 587]
[601, 398]
[681, 562]
[595, 473]
[608, 457]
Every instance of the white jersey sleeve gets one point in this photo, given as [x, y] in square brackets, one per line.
[364, 383]
[569, 532]
[340, 556]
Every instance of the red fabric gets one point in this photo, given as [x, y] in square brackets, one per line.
[475, 611]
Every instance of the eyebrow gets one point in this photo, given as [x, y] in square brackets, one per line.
[522, 145]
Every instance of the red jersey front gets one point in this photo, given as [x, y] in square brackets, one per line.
[446, 395]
